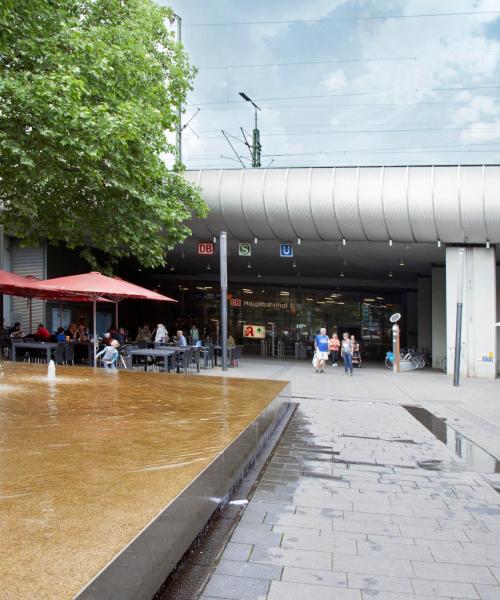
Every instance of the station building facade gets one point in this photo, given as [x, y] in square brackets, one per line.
[360, 243]
[384, 238]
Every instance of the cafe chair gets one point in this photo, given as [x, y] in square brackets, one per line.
[69, 353]
[194, 360]
[59, 354]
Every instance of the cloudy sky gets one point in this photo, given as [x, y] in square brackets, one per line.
[341, 83]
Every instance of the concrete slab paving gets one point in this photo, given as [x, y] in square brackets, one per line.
[345, 508]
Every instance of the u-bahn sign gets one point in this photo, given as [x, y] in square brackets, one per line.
[205, 248]
[286, 250]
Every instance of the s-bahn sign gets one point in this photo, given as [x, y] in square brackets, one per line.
[245, 249]
[205, 248]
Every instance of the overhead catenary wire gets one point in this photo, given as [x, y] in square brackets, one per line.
[478, 100]
[473, 147]
[344, 128]
[345, 61]
[364, 132]
[360, 93]
[344, 19]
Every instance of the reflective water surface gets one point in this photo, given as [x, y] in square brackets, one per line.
[86, 465]
[473, 455]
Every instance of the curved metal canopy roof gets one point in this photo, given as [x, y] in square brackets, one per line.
[453, 204]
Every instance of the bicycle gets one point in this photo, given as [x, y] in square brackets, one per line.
[416, 359]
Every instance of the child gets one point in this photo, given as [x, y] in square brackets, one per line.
[109, 355]
[334, 347]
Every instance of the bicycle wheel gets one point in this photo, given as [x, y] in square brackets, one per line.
[420, 362]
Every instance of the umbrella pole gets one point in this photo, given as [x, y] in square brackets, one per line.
[94, 301]
[116, 314]
[60, 314]
[30, 304]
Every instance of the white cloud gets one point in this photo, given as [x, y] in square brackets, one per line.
[479, 132]
[336, 81]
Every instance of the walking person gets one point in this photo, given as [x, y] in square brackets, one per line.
[356, 354]
[161, 334]
[321, 348]
[334, 347]
[346, 349]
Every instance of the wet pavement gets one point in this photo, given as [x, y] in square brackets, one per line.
[360, 501]
[87, 462]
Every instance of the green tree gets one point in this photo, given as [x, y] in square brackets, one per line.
[88, 90]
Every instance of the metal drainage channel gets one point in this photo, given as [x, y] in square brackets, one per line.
[188, 579]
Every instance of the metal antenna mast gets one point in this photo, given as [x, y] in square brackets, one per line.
[255, 148]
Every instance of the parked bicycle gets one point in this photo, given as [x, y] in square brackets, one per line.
[414, 358]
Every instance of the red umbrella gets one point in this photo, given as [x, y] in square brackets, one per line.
[94, 285]
[22, 286]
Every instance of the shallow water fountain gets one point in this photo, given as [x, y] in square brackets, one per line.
[51, 371]
[109, 466]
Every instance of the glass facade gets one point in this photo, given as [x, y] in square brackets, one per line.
[293, 314]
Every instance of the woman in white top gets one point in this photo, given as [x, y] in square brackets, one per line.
[161, 334]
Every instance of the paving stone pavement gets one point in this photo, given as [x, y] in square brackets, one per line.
[345, 511]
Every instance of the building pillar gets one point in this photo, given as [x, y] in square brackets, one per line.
[438, 317]
[479, 335]
[424, 316]
[498, 319]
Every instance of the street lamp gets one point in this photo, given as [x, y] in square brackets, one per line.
[256, 147]
[178, 130]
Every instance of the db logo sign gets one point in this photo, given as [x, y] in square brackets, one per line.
[236, 302]
[205, 248]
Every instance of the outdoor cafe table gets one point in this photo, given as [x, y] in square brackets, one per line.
[48, 346]
[164, 352]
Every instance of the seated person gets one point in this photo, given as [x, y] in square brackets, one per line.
[42, 333]
[71, 331]
[82, 335]
[181, 340]
[60, 335]
[17, 331]
[144, 333]
[117, 334]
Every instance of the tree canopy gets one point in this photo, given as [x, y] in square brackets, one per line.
[88, 90]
